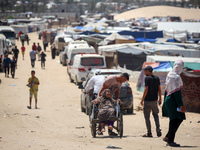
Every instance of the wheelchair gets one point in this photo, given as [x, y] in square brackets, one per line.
[118, 119]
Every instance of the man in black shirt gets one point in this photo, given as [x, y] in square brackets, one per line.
[16, 52]
[149, 99]
[13, 65]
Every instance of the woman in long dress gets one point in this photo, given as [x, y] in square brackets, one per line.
[173, 100]
[106, 109]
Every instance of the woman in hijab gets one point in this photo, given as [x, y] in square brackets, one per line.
[106, 109]
[173, 100]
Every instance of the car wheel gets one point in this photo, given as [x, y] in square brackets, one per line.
[130, 111]
[71, 80]
[87, 110]
[82, 109]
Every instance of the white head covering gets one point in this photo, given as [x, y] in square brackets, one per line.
[173, 81]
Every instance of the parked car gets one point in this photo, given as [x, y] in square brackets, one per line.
[81, 63]
[63, 56]
[125, 95]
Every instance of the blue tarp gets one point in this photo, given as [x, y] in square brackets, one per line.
[143, 34]
[80, 28]
[145, 40]
[163, 66]
[90, 33]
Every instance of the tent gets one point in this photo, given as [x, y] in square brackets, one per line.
[143, 34]
[18, 28]
[124, 55]
[192, 63]
[160, 69]
[115, 36]
[171, 50]
[178, 35]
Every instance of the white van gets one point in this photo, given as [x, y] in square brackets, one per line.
[3, 45]
[81, 63]
[9, 33]
[78, 50]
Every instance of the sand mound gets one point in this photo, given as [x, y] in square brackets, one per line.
[149, 12]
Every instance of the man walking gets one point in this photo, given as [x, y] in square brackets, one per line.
[33, 83]
[22, 37]
[27, 38]
[33, 58]
[13, 65]
[16, 53]
[34, 47]
[6, 64]
[149, 99]
[43, 55]
[38, 51]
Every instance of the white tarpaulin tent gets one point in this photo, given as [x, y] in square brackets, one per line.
[115, 36]
[18, 28]
[176, 34]
[189, 26]
[171, 58]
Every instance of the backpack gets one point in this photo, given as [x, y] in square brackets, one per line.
[39, 48]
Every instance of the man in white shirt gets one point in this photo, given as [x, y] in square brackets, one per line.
[95, 82]
[33, 58]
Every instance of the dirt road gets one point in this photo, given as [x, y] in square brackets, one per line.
[59, 124]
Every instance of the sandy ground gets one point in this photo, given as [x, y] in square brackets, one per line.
[60, 124]
[151, 11]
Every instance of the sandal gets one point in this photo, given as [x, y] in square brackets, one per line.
[29, 107]
[147, 135]
[36, 107]
[99, 133]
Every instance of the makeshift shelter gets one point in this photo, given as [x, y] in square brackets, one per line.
[171, 50]
[161, 70]
[178, 35]
[18, 28]
[124, 55]
[191, 91]
[192, 63]
[115, 36]
[143, 34]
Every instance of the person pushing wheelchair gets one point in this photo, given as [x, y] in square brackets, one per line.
[113, 83]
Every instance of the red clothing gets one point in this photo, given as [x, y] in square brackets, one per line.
[20, 33]
[23, 48]
[34, 47]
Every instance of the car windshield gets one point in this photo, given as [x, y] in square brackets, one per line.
[92, 61]
[8, 35]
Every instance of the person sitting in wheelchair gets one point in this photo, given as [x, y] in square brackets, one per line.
[106, 109]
